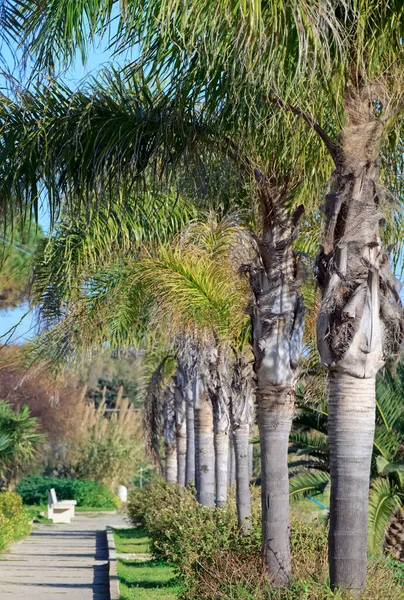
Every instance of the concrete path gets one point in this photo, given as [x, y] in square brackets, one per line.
[60, 561]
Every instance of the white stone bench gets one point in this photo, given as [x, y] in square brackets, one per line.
[60, 512]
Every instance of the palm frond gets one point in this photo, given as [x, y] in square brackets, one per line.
[310, 483]
[307, 443]
[383, 501]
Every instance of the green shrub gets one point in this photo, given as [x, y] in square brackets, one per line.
[186, 534]
[215, 562]
[14, 520]
[34, 490]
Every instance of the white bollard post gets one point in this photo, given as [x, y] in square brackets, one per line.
[123, 493]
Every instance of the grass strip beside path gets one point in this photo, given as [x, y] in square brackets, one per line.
[146, 580]
[131, 541]
[141, 579]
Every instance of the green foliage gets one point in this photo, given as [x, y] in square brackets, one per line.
[34, 490]
[184, 533]
[14, 519]
[215, 562]
[17, 247]
[19, 441]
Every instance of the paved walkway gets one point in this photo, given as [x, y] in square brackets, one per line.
[60, 561]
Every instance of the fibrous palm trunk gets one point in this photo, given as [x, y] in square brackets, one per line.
[393, 543]
[278, 321]
[360, 323]
[204, 448]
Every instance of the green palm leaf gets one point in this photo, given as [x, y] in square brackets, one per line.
[383, 501]
[309, 483]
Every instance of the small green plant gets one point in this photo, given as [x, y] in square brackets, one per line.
[34, 490]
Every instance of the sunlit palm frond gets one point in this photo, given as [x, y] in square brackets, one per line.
[309, 483]
[384, 499]
[195, 289]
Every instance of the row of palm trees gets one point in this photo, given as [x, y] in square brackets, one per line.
[229, 96]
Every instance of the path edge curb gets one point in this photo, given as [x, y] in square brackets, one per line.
[112, 565]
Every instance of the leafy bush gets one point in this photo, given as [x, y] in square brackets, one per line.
[216, 562]
[186, 534]
[14, 520]
[34, 490]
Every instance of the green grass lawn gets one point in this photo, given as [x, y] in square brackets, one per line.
[131, 541]
[150, 580]
[139, 579]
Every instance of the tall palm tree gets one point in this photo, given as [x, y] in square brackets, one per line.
[181, 279]
[354, 50]
[276, 183]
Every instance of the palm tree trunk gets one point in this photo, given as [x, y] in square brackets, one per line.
[275, 414]
[170, 463]
[190, 459]
[251, 454]
[204, 450]
[197, 390]
[221, 454]
[351, 415]
[180, 428]
[170, 443]
[181, 436]
[231, 462]
[240, 438]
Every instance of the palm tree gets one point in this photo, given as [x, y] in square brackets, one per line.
[360, 67]
[20, 442]
[183, 281]
[274, 269]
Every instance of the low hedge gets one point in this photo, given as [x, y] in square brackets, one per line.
[34, 490]
[214, 561]
[14, 520]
